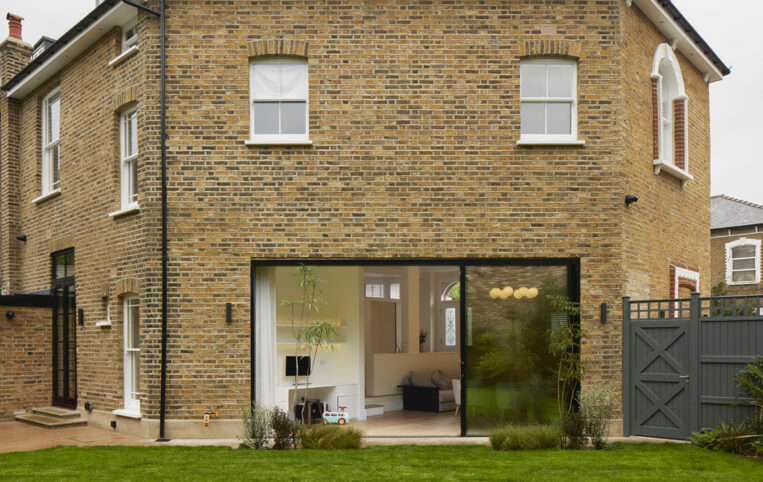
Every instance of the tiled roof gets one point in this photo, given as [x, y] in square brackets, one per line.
[729, 212]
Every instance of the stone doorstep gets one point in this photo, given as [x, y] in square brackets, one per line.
[56, 412]
[52, 417]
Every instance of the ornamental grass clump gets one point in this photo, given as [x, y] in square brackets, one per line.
[525, 437]
[596, 406]
[330, 437]
[256, 432]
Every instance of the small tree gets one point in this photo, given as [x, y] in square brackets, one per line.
[310, 335]
[564, 344]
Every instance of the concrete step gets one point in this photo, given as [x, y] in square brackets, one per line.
[372, 410]
[56, 412]
[50, 422]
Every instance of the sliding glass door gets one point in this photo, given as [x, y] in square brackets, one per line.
[509, 373]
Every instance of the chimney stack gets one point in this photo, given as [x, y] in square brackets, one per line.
[14, 25]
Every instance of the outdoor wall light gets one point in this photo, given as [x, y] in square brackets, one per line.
[10, 314]
[630, 199]
[21, 237]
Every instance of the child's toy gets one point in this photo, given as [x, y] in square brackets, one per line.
[339, 416]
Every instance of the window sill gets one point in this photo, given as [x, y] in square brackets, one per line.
[124, 212]
[53, 193]
[103, 324]
[123, 412]
[742, 283]
[673, 170]
[123, 56]
[279, 141]
[550, 142]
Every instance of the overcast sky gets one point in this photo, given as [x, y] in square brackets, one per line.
[735, 103]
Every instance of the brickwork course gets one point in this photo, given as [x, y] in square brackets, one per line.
[414, 118]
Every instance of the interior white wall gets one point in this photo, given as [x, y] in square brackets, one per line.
[342, 295]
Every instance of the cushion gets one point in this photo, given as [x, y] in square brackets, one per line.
[441, 380]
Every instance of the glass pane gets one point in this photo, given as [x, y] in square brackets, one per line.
[59, 265]
[666, 147]
[70, 263]
[533, 79]
[394, 291]
[266, 118]
[60, 326]
[559, 118]
[560, 80]
[135, 365]
[744, 264]
[54, 121]
[266, 81]
[510, 375]
[134, 325]
[450, 326]
[56, 168]
[533, 117]
[747, 251]
[132, 134]
[374, 290]
[72, 348]
[293, 118]
[132, 193]
[741, 276]
[293, 81]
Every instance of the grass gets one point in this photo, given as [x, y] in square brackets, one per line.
[633, 461]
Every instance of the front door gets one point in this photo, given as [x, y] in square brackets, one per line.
[64, 331]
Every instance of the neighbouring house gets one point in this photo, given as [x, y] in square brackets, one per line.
[736, 233]
[447, 167]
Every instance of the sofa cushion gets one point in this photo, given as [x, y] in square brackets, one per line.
[421, 379]
[441, 380]
[446, 396]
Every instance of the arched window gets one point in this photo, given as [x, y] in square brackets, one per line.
[669, 111]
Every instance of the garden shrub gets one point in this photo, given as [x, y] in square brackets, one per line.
[737, 438]
[596, 406]
[330, 437]
[256, 431]
[527, 437]
[285, 431]
[573, 431]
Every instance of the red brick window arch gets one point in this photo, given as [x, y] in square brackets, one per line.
[669, 115]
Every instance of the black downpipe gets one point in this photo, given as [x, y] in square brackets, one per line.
[163, 144]
[163, 140]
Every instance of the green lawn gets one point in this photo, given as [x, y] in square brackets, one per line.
[634, 461]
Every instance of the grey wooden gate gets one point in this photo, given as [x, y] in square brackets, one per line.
[679, 359]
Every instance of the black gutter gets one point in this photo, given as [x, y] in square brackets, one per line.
[62, 41]
[694, 35]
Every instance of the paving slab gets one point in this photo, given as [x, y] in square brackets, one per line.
[18, 437]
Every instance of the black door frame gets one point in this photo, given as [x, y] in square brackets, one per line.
[573, 292]
[67, 285]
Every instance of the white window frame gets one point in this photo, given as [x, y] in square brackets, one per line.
[131, 404]
[130, 42]
[49, 182]
[664, 56]
[756, 243]
[128, 162]
[558, 139]
[278, 139]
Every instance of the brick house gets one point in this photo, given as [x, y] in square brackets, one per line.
[499, 139]
[736, 234]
